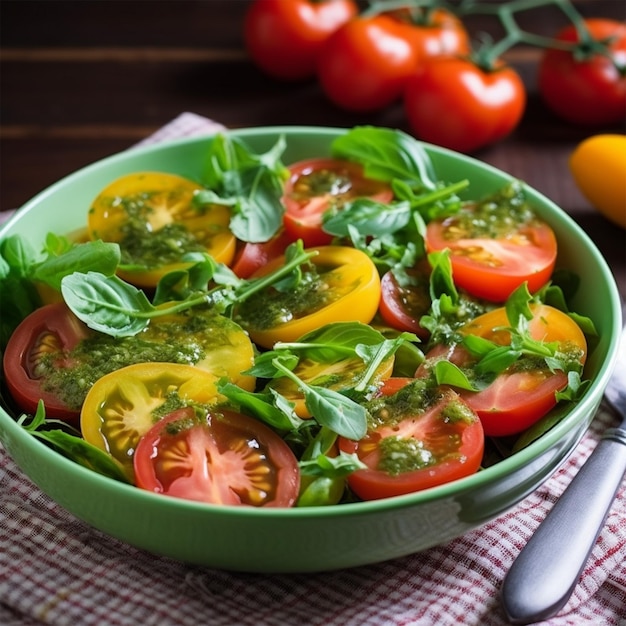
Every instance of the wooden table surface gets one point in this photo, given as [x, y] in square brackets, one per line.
[83, 80]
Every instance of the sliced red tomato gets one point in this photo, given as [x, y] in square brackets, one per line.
[53, 356]
[492, 267]
[38, 346]
[227, 458]
[416, 447]
[521, 395]
[347, 288]
[152, 217]
[253, 256]
[317, 185]
[402, 306]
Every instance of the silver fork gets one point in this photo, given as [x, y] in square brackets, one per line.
[546, 571]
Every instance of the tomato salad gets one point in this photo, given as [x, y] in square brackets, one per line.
[346, 328]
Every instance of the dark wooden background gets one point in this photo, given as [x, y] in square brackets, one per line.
[83, 79]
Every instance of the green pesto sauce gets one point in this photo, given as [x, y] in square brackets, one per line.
[271, 307]
[142, 246]
[99, 355]
[320, 182]
[185, 341]
[458, 411]
[173, 402]
[399, 455]
[498, 216]
[413, 399]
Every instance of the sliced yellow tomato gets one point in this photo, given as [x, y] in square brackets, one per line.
[347, 289]
[123, 405]
[522, 395]
[548, 324]
[153, 218]
[221, 346]
[340, 375]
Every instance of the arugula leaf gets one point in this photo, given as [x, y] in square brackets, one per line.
[323, 476]
[271, 407]
[374, 355]
[330, 408]
[331, 467]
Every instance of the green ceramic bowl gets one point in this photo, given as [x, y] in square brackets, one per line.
[313, 539]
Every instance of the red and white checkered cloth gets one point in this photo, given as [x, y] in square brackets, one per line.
[54, 569]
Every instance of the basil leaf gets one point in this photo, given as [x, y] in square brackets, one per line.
[18, 254]
[276, 412]
[368, 217]
[106, 303]
[335, 411]
[386, 154]
[99, 256]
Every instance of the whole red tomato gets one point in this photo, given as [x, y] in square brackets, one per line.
[452, 102]
[283, 37]
[434, 31]
[364, 65]
[587, 86]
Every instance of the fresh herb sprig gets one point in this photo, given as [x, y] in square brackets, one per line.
[391, 234]
[493, 359]
[250, 184]
[112, 306]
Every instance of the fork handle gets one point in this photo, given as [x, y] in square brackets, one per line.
[546, 571]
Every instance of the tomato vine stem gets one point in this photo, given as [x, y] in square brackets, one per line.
[487, 53]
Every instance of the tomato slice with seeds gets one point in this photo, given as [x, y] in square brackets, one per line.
[227, 458]
[403, 304]
[153, 218]
[54, 357]
[413, 446]
[317, 185]
[38, 345]
[123, 406]
[491, 265]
